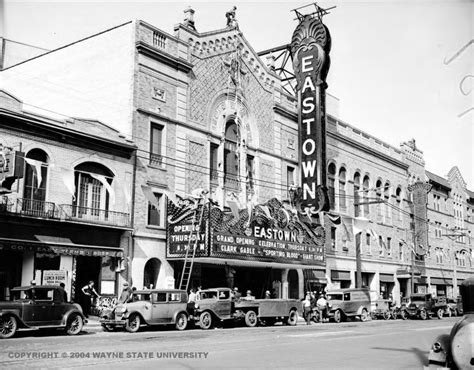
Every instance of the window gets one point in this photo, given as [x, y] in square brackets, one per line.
[156, 145]
[290, 176]
[356, 194]
[367, 242]
[35, 180]
[389, 247]
[160, 297]
[231, 156]
[439, 255]
[331, 184]
[365, 200]
[347, 296]
[386, 204]
[400, 251]
[159, 40]
[333, 237]
[92, 196]
[342, 189]
[213, 164]
[378, 194]
[250, 174]
[174, 297]
[398, 195]
[381, 246]
[357, 240]
[154, 214]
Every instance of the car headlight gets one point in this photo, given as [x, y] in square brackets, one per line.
[437, 347]
[196, 306]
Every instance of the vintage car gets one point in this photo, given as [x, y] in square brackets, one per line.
[218, 305]
[344, 303]
[150, 307]
[424, 305]
[454, 307]
[384, 309]
[39, 307]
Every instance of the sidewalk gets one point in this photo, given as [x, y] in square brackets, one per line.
[93, 324]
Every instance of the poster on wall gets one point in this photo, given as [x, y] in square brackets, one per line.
[54, 277]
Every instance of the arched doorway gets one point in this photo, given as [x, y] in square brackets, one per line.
[293, 286]
[151, 272]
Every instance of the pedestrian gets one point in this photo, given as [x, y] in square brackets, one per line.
[268, 295]
[322, 305]
[249, 296]
[89, 295]
[192, 296]
[126, 295]
[307, 308]
[198, 293]
[62, 289]
[33, 282]
[237, 295]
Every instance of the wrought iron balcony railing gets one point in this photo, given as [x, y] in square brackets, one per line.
[94, 215]
[5, 205]
[35, 208]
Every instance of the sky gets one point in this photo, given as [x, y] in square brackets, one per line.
[400, 69]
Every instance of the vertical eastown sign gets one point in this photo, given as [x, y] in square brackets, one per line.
[310, 48]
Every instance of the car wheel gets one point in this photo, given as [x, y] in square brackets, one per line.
[365, 315]
[338, 316]
[74, 324]
[205, 320]
[132, 324]
[293, 318]
[8, 326]
[181, 321]
[251, 319]
[423, 315]
[439, 313]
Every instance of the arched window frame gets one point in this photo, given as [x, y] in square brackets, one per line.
[357, 207]
[342, 189]
[365, 196]
[332, 184]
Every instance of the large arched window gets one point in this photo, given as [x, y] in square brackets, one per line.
[92, 197]
[356, 194]
[331, 184]
[365, 196]
[398, 198]
[342, 189]
[231, 155]
[386, 195]
[36, 175]
[150, 273]
[378, 194]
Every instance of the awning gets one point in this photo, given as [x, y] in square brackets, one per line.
[421, 280]
[315, 276]
[340, 275]
[441, 281]
[386, 278]
[61, 248]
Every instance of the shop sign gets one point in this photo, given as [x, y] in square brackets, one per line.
[54, 277]
[61, 250]
[187, 235]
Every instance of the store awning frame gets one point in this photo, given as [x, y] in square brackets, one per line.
[340, 275]
[386, 278]
[62, 248]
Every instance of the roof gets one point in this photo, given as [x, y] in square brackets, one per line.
[438, 179]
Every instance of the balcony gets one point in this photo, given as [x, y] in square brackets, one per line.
[63, 212]
[94, 215]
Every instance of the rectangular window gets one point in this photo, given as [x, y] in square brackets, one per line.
[154, 214]
[400, 251]
[156, 145]
[342, 196]
[333, 237]
[331, 193]
[367, 242]
[250, 173]
[381, 246]
[389, 246]
[290, 176]
[213, 164]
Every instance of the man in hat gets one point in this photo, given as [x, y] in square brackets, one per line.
[126, 294]
[268, 295]
[236, 294]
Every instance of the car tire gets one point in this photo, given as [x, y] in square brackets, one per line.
[251, 319]
[74, 324]
[423, 314]
[364, 316]
[338, 316]
[439, 313]
[132, 324]
[8, 327]
[293, 318]
[181, 321]
[205, 320]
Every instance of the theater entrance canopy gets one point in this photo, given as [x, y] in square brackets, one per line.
[271, 233]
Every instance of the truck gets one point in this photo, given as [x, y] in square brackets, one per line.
[217, 305]
[424, 306]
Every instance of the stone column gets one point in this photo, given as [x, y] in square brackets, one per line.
[284, 283]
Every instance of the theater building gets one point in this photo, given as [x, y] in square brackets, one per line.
[207, 113]
[63, 215]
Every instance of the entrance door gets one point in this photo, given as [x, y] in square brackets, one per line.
[159, 311]
[87, 269]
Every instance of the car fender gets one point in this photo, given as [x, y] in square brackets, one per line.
[175, 315]
[68, 314]
[127, 314]
[15, 314]
[360, 309]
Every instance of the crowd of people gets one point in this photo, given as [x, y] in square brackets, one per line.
[312, 302]
[235, 294]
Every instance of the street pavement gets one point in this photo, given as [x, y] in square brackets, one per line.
[393, 344]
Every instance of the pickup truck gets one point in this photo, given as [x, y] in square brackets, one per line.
[217, 305]
[425, 306]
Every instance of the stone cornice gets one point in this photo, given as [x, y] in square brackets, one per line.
[157, 54]
[280, 109]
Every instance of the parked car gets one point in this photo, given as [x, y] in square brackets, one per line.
[344, 303]
[454, 307]
[383, 310]
[425, 306]
[218, 305]
[39, 307]
[150, 307]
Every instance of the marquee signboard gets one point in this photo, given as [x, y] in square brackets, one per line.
[310, 46]
[270, 232]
